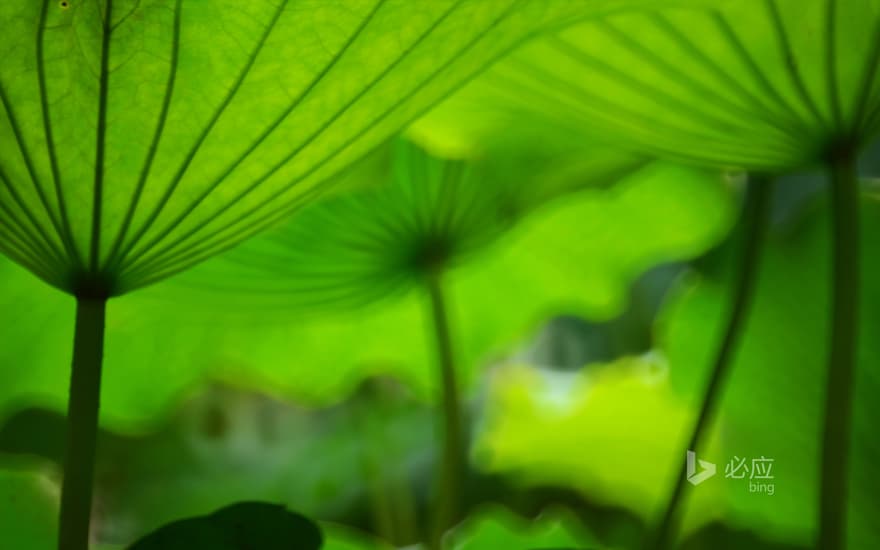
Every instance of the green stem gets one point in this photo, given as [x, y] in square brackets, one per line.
[452, 460]
[754, 218]
[82, 419]
[842, 356]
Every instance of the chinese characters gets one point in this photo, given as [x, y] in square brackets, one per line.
[759, 472]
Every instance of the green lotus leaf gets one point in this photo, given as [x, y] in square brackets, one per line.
[379, 241]
[616, 433]
[434, 232]
[142, 137]
[768, 85]
[577, 253]
[527, 146]
[506, 269]
[771, 86]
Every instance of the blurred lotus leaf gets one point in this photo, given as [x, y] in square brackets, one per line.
[615, 430]
[495, 527]
[575, 254]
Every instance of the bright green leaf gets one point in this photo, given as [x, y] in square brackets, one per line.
[140, 137]
[764, 84]
[576, 254]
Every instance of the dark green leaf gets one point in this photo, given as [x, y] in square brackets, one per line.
[240, 526]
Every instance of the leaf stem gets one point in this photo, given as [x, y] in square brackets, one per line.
[754, 219]
[452, 460]
[843, 349]
[82, 415]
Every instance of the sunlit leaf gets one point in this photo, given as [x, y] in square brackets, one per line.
[765, 84]
[142, 137]
[575, 254]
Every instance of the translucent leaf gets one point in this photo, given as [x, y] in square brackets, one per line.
[576, 254]
[143, 136]
[763, 84]
[505, 273]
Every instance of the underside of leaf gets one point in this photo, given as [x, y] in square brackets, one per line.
[768, 85]
[140, 137]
